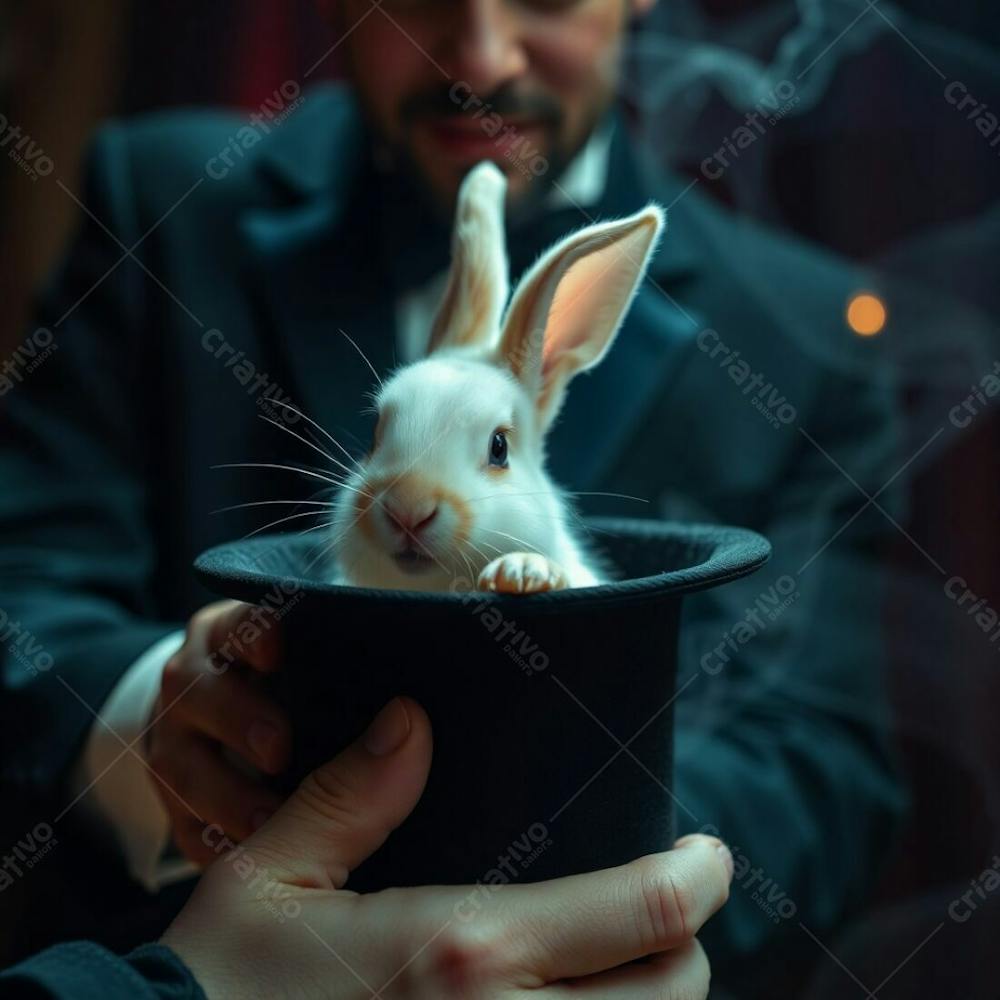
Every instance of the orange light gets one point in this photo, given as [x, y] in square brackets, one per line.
[866, 315]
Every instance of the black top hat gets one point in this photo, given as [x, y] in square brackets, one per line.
[552, 713]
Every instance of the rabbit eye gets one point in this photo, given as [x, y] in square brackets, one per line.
[498, 450]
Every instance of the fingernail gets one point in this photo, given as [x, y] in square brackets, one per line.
[727, 858]
[259, 818]
[388, 730]
[261, 738]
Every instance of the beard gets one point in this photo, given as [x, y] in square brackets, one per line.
[548, 161]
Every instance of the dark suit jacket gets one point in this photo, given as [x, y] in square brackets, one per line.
[108, 444]
[79, 970]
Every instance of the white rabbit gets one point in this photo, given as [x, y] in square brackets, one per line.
[454, 492]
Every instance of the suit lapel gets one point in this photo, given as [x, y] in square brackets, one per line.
[315, 269]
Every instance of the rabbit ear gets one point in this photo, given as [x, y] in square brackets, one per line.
[477, 284]
[567, 309]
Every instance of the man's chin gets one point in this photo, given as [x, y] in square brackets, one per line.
[443, 161]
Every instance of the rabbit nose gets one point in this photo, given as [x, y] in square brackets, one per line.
[420, 525]
[411, 522]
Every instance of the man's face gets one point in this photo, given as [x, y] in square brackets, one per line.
[447, 83]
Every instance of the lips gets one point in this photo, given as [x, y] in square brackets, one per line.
[468, 139]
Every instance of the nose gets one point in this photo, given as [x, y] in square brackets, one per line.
[411, 521]
[484, 46]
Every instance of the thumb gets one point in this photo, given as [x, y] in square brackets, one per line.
[344, 811]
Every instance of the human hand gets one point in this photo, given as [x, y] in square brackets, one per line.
[209, 701]
[273, 918]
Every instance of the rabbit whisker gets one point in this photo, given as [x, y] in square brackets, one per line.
[288, 468]
[566, 493]
[307, 442]
[479, 552]
[317, 527]
[364, 357]
[358, 442]
[354, 489]
[497, 550]
[468, 564]
[323, 549]
[265, 503]
[514, 538]
[282, 520]
[615, 496]
[322, 430]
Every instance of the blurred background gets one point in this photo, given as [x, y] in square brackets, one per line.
[874, 160]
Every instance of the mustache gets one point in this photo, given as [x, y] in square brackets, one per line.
[505, 101]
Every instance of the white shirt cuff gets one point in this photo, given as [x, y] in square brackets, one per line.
[123, 791]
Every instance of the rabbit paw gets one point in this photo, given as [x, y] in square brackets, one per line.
[522, 573]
